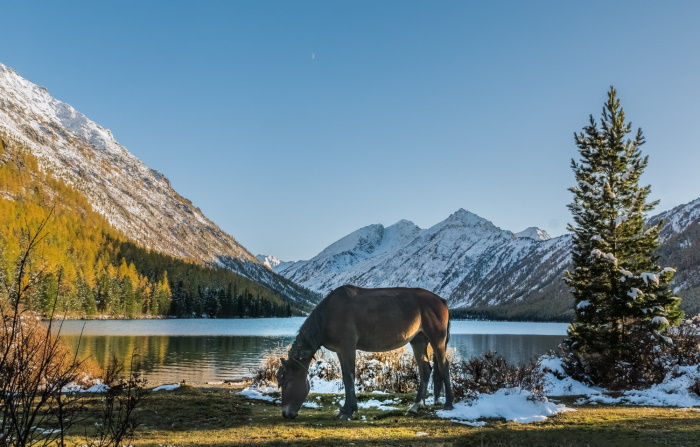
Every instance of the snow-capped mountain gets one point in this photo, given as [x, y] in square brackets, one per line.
[680, 247]
[535, 233]
[476, 265]
[135, 199]
[464, 248]
[269, 261]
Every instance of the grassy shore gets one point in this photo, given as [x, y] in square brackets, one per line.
[218, 416]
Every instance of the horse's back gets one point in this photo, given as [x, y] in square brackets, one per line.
[383, 319]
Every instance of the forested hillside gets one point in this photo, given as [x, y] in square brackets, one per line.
[94, 270]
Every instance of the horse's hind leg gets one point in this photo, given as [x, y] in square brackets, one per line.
[347, 367]
[420, 352]
[438, 382]
[441, 363]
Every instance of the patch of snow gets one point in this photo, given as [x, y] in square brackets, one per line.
[535, 233]
[672, 392]
[634, 293]
[557, 383]
[170, 387]
[387, 405]
[607, 256]
[620, 220]
[659, 320]
[653, 277]
[625, 272]
[512, 404]
[322, 386]
[311, 404]
[259, 393]
[74, 388]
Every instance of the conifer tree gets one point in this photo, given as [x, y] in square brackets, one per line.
[621, 294]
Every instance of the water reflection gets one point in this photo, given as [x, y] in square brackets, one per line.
[216, 358]
[514, 348]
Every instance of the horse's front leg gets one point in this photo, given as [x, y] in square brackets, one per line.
[347, 367]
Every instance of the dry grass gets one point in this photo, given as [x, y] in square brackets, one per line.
[210, 416]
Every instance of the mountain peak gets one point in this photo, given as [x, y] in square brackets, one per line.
[535, 233]
[467, 217]
[270, 261]
[464, 218]
[404, 226]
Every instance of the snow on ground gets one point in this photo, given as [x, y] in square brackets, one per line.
[260, 393]
[557, 383]
[511, 404]
[75, 388]
[386, 405]
[672, 392]
[311, 404]
[321, 386]
[170, 387]
[514, 404]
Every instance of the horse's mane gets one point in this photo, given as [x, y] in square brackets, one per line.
[308, 340]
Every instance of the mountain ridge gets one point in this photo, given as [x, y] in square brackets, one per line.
[487, 271]
[135, 199]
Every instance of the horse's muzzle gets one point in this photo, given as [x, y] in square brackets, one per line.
[287, 414]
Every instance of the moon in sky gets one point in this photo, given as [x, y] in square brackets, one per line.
[313, 56]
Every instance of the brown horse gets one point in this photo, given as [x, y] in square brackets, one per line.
[351, 318]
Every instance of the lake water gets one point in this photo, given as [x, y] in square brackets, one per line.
[208, 350]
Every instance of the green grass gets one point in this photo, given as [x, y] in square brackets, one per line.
[206, 416]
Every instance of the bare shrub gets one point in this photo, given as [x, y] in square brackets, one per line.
[685, 347]
[490, 372]
[325, 366]
[118, 422]
[393, 371]
[266, 373]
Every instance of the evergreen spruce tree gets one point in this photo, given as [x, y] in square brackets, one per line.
[622, 297]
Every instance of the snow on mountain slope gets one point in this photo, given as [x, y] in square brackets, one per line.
[405, 255]
[474, 264]
[534, 233]
[135, 199]
[270, 261]
[680, 248]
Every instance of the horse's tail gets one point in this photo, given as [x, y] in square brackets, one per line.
[449, 322]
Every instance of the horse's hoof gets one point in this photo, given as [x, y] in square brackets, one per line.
[344, 417]
[448, 406]
[413, 410]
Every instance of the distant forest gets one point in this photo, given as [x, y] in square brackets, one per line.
[86, 268]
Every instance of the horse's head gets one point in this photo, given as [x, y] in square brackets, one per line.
[294, 383]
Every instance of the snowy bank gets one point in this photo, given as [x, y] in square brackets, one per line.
[511, 404]
[261, 393]
[170, 387]
[676, 390]
[679, 389]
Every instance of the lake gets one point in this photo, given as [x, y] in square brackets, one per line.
[211, 350]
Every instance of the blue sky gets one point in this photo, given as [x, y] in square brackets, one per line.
[293, 123]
